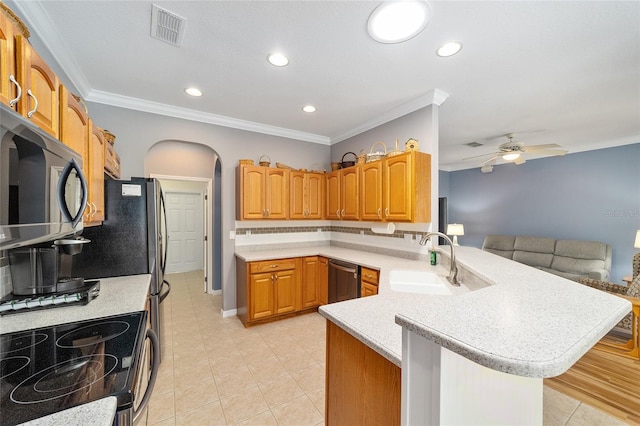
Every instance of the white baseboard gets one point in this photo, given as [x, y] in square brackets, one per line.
[215, 292]
[229, 313]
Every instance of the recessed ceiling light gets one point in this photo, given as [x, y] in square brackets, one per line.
[278, 59]
[395, 22]
[449, 49]
[309, 108]
[192, 91]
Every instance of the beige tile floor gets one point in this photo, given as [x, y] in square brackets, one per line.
[216, 372]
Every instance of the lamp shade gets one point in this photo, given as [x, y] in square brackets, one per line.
[636, 244]
[455, 229]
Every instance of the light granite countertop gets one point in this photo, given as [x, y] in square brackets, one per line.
[118, 295]
[96, 413]
[506, 316]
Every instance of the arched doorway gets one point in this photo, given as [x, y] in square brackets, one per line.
[193, 168]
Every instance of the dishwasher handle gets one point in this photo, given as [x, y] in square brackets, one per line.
[343, 268]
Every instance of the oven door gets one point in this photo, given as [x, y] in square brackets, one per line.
[145, 379]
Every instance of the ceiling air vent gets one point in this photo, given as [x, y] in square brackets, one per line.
[167, 26]
[474, 144]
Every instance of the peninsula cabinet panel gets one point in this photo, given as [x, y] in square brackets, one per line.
[362, 387]
[40, 88]
[262, 193]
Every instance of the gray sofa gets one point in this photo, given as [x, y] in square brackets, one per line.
[572, 259]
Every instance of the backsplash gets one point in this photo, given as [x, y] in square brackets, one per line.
[5, 276]
[403, 242]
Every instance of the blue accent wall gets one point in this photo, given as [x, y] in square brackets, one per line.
[593, 195]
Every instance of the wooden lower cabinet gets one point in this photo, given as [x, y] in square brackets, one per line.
[323, 279]
[267, 290]
[362, 387]
[369, 279]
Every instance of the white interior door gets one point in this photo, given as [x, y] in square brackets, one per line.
[186, 231]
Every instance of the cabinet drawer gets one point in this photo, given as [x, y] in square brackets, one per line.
[272, 265]
[369, 275]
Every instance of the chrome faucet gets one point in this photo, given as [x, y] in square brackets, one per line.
[453, 271]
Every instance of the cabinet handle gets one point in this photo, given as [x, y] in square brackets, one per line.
[95, 209]
[338, 212]
[268, 212]
[35, 106]
[264, 212]
[386, 212]
[342, 212]
[19, 91]
[273, 266]
[379, 212]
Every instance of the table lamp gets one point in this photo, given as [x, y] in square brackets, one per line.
[455, 229]
[636, 244]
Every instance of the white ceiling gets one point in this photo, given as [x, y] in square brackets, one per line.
[551, 72]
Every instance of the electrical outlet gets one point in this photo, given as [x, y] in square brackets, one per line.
[232, 235]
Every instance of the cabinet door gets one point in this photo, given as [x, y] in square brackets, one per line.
[332, 205]
[42, 105]
[277, 194]
[261, 296]
[323, 280]
[286, 291]
[398, 198]
[253, 192]
[349, 200]
[297, 207]
[371, 191]
[367, 289]
[96, 173]
[7, 60]
[310, 281]
[314, 195]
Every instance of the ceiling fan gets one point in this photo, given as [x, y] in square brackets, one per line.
[514, 151]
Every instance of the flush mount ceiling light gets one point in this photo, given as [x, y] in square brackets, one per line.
[395, 22]
[192, 91]
[449, 49]
[309, 108]
[278, 59]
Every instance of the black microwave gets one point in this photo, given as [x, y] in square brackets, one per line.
[43, 192]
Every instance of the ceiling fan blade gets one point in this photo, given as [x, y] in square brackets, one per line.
[486, 162]
[548, 151]
[538, 147]
[491, 154]
[519, 160]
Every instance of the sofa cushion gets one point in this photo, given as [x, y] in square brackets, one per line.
[581, 249]
[535, 244]
[501, 245]
[576, 266]
[531, 258]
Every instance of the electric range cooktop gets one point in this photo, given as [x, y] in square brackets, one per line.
[50, 369]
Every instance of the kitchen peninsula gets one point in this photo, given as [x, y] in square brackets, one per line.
[506, 317]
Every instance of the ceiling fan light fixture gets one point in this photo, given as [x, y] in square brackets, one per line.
[486, 168]
[309, 108]
[511, 156]
[398, 21]
[449, 49]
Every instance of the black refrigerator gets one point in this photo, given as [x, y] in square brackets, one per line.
[130, 241]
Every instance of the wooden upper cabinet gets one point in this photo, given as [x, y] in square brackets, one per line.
[371, 191]
[95, 179]
[40, 87]
[8, 89]
[306, 195]
[397, 190]
[332, 198]
[350, 189]
[262, 193]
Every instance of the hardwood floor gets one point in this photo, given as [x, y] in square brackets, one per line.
[606, 381]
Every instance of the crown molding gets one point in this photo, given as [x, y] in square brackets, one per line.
[432, 97]
[137, 104]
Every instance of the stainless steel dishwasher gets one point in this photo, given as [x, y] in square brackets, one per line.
[344, 281]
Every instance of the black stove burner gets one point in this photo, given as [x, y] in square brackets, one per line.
[65, 378]
[47, 370]
[12, 365]
[92, 334]
[20, 342]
